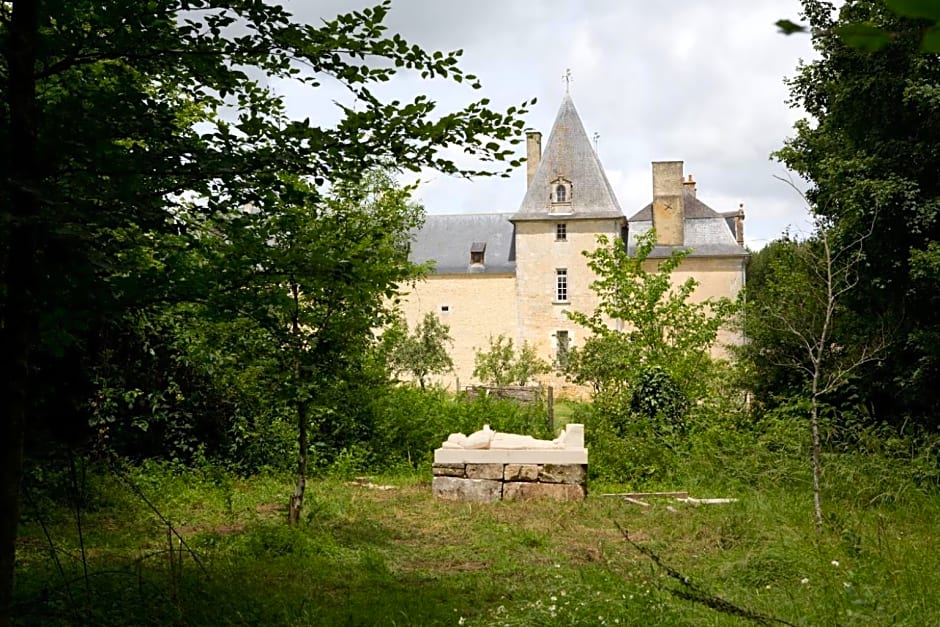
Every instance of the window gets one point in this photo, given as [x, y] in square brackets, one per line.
[477, 250]
[445, 308]
[562, 345]
[561, 232]
[559, 192]
[561, 285]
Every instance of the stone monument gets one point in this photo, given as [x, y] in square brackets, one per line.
[490, 466]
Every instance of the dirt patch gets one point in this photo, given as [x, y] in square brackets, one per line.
[189, 530]
[271, 508]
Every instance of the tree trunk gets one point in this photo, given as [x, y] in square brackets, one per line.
[297, 498]
[20, 276]
[817, 504]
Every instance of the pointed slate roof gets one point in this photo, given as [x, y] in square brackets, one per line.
[568, 154]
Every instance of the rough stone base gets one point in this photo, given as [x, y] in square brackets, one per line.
[519, 491]
[468, 490]
[485, 483]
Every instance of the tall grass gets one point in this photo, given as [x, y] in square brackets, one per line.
[396, 556]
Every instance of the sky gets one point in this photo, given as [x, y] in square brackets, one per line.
[700, 82]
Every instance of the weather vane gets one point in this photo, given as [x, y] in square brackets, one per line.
[567, 78]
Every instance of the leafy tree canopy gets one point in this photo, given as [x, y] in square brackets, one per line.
[871, 150]
[422, 352]
[645, 323]
[499, 365]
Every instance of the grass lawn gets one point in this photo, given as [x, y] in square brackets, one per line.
[367, 556]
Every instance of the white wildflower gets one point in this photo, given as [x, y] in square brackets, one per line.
[804, 580]
[835, 563]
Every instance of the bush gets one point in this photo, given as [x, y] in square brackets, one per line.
[410, 423]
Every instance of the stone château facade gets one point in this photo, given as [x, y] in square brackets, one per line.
[517, 273]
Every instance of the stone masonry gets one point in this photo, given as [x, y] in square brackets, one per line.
[519, 468]
[485, 483]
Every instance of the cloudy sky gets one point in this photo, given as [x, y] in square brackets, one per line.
[701, 82]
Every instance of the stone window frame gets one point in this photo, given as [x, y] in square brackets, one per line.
[561, 285]
[560, 191]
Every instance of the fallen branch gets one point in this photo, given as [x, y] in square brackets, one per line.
[644, 495]
[691, 592]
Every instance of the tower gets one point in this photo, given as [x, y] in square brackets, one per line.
[568, 202]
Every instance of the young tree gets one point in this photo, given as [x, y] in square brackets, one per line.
[421, 353]
[797, 314]
[500, 366]
[315, 279]
[528, 364]
[493, 366]
[659, 331]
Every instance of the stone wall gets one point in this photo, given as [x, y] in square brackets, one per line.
[486, 483]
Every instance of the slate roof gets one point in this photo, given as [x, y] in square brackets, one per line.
[568, 154]
[707, 232]
[449, 239]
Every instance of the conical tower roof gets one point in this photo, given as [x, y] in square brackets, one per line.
[569, 159]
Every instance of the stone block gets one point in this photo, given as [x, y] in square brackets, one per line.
[563, 473]
[467, 490]
[485, 471]
[524, 491]
[521, 472]
[509, 456]
[449, 470]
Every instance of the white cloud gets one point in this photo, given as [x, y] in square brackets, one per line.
[701, 82]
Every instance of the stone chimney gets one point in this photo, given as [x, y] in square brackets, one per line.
[689, 186]
[533, 154]
[739, 225]
[668, 206]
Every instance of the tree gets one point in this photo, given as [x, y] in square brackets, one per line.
[314, 278]
[924, 26]
[493, 366]
[500, 366]
[421, 353]
[660, 333]
[528, 364]
[798, 317]
[84, 222]
[870, 152]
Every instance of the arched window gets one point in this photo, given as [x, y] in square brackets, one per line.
[561, 193]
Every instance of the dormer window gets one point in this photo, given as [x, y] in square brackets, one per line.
[477, 250]
[560, 192]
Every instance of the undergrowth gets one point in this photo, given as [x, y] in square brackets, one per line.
[392, 555]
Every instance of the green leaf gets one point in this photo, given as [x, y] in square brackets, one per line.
[863, 36]
[788, 27]
[927, 9]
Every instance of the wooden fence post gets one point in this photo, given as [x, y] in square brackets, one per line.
[551, 409]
